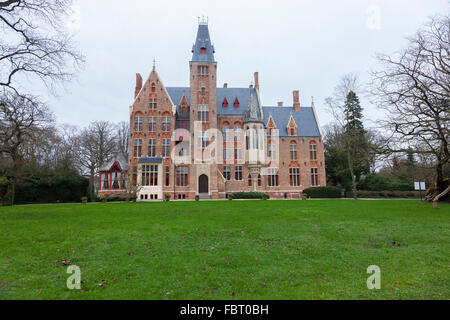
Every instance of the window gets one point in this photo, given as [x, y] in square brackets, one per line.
[203, 139]
[292, 132]
[238, 173]
[293, 152]
[225, 103]
[183, 124]
[137, 147]
[227, 173]
[203, 89]
[237, 134]
[153, 88]
[203, 113]
[236, 103]
[167, 176]
[105, 180]
[152, 124]
[203, 50]
[149, 175]
[226, 133]
[226, 154]
[153, 104]
[166, 148]
[250, 180]
[138, 124]
[259, 180]
[237, 154]
[273, 180]
[182, 176]
[203, 70]
[116, 181]
[152, 147]
[254, 138]
[166, 124]
[313, 151]
[272, 152]
[314, 177]
[294, 177]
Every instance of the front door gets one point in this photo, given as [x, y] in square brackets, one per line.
[203, 185]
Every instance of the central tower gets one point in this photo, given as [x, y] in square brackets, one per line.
[203, 92]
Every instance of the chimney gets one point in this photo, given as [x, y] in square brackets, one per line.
[297, 101]
[225, 85]
[251, 86]
[280, 104]
[138, 85]
[257, 81]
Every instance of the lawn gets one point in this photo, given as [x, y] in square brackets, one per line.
[226, 250]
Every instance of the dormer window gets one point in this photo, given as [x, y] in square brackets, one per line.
[153, 88]
[225, 103]
[236, 103]
[203, 50]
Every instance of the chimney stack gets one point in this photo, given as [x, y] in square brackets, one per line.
[138, 85]
[297, 101]
[225, 85]
[257, 81]
[280, 104]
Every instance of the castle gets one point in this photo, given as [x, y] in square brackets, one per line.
[209, 141]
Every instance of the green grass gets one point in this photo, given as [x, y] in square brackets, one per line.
[226, 250]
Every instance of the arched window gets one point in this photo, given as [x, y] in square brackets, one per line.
[153, 88]
[249, 180]
[293, 151]
[247, 139]
[236, 103]
[254, 138]
[225, 103]
[203, 89]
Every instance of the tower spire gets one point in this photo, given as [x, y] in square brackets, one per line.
[203, 50]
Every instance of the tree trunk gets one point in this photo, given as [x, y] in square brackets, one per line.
[350, 168]
[91, 184]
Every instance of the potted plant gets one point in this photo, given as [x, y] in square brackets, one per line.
[265, 197]
[230, 197]
[197, 198]
[304, 196]
[104, 199]
[168, 196]
[84, 200]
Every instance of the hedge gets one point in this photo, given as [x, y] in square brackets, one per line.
[323, 192]
[385, 194]
[51, 189]
[6, 191]
[249, 195]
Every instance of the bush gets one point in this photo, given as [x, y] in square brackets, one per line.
[385, 194]
[84, 199]
[249, 195]
[6, 191]
[323, 192]
[377, 182]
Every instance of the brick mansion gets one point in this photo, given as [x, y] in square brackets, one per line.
[210, 141]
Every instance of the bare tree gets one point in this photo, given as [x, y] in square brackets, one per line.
[96, 145]
[123, 139]
[34, 42]
[413, 86]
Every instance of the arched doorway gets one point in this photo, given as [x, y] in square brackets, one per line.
[203, 184]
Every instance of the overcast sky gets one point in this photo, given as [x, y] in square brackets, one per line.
[305, 44]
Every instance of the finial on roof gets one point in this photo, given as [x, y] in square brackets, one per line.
[312, 101]
[154, 64]
[203, 20]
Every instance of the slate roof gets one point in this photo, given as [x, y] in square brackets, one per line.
[253, 113]
[305, 119]
[203, 40]
[122, 163]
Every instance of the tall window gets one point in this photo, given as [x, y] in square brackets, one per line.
[203, 139]
[203, 113]
[137, 147]
[226, 154]
[152, 147]
[182, 176]
[203, 70]
[272, 152]
[259, 180]
[153, 103]
[149, 175]
[273, 179]
[294, 177]
[250, 180]
[226, 133]
[138, 125]
[166, 148]
[227, 173]
[237, 154]
[293, 152]
[292, 132]
[167, 176]
[237, 134]
[254, 138]
[203, 89]
[105, 180]
[153, 88]
[238, 173]
[314, 177]
[152, 124]
[313, 151]
[166, 124]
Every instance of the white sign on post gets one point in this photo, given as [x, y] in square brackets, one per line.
[419, 186]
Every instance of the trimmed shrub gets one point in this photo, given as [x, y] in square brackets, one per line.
[323, 192]
[385, 194]
[249, 195]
